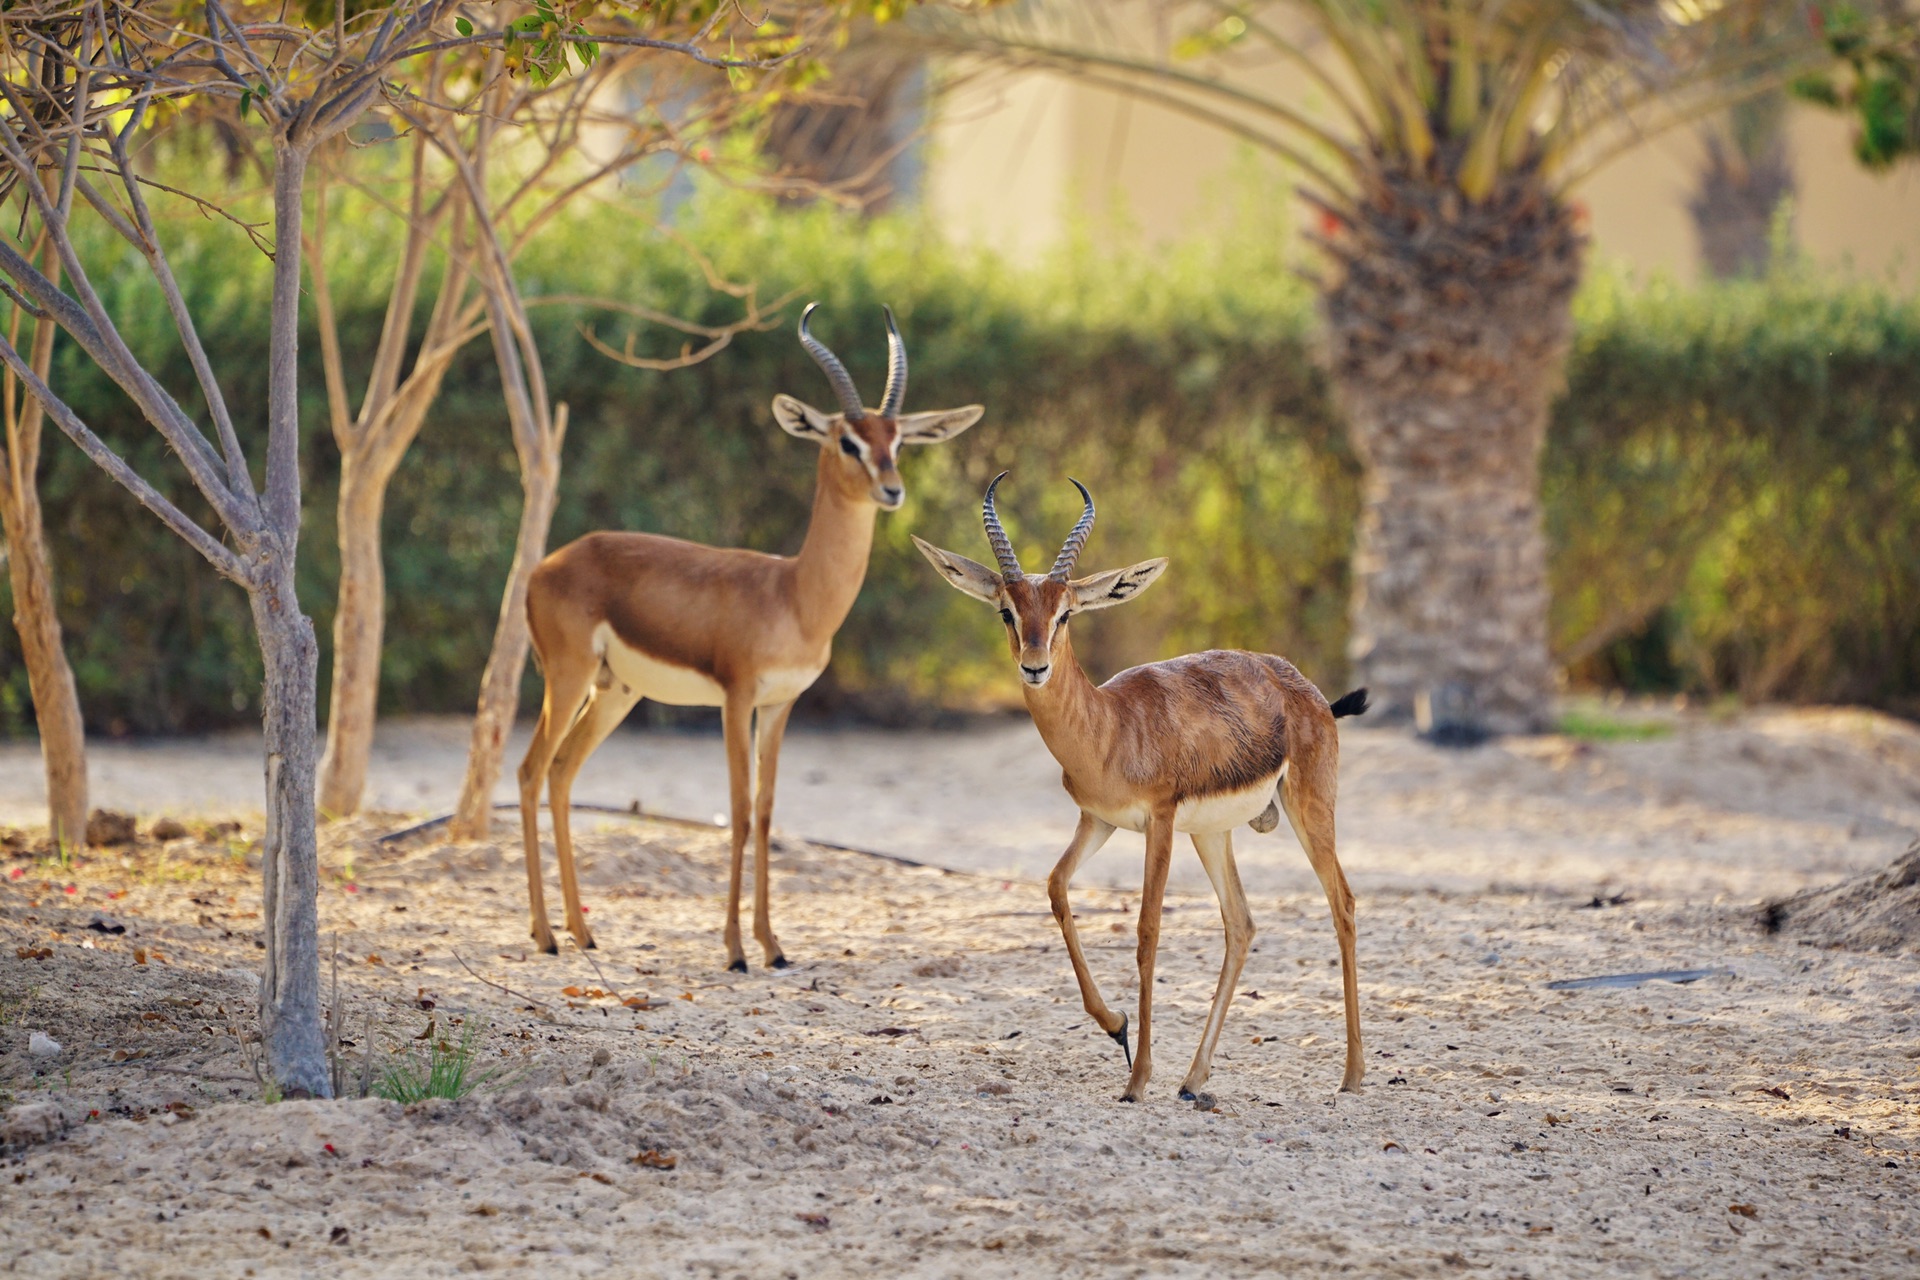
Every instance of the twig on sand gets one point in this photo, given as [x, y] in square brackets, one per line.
[539, 1006]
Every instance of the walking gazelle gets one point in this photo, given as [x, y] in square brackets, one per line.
[617, 617]
[1198, 744]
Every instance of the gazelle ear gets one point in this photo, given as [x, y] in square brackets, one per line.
[976, 580]
[1104, 590]
[801, 420]
[938, 424]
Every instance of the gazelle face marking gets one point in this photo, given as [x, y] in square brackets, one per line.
[868, 441]
[1035, 609]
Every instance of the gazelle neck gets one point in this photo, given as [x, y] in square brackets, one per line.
[832, 562]
[1070, 713]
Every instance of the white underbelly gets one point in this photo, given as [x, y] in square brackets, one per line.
[1222, 811]
[780, 685]
[649, 677]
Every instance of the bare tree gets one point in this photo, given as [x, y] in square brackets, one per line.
[82, 83]
[535, 145]
[56, 703]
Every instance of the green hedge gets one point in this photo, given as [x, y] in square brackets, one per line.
[1767, 432]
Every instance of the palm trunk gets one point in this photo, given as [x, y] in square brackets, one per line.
[1447, 330]
[1748, 174]
[56, 703]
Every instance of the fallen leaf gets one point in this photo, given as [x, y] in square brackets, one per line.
[1392, 1146]
[571, 991]
[818, 1221]
[890, 1031]
[600, 1178]
[375, 959]
[1744, 1210]
[485, 1211]
[1539, 1231]
[1778, 1092]
[687, 996]
[33, 953]
[638, 1002]
[652, 1159]
[337, 1236]
[426, 1033]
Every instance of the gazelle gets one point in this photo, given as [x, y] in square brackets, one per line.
[617, 617]
[1198, 744]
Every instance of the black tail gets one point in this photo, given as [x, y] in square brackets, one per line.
[1353, 704]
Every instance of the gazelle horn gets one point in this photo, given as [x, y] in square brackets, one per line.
[830, 365]
[1070, 550]
[997, 537]
[896, 392]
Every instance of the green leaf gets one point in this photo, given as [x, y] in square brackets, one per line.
[464, 27]
[246, 102]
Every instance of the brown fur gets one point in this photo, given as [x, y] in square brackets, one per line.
[726, 613]
[1207, 724]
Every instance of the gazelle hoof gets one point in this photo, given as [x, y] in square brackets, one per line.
[1121, 1037]
[738, 966]
[546, 945]
[1186, 1094]
[781, 962]
[1127, 1097]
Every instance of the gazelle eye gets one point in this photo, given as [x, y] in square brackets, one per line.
[1006, 616]
[848, 447]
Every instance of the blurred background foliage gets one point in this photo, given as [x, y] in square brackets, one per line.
[1733, 492]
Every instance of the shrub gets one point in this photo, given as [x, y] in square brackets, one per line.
[1730, 480]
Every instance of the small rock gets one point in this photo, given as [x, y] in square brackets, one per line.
[1205, 1102]
[601, 1057]
[168, 829]
[31, 1122]
[105, 828]
[42, 1045]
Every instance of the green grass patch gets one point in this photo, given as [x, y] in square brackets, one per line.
[446, 1070]
[1590, 726]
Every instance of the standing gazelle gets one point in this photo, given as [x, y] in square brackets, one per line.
[617, 617]
[1198, 744]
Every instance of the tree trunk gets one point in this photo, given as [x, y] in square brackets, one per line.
[56, 703]
[500, 686]
[1447, 329]
[1748, 174]
[290, 1023]
[359, 621]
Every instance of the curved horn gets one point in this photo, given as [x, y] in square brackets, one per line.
[830, 364]
[997, 537]
[896, 392]
[1070, 550]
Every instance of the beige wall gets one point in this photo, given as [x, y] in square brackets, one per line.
[1012, 159]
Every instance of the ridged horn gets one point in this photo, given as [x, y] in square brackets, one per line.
[830, 365]
[896, 392]
[997, 537]
[1070, 550]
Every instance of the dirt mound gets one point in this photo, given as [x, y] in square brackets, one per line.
[1878, 912]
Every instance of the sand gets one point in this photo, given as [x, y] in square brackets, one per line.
[922, 1094]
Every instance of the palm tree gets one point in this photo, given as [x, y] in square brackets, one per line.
[1437, 140]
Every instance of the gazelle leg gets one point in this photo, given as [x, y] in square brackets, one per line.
[1310, 812]
[1087, 839]
[736, 719]
[603, 714]
[566, 690]
[1216, 855]
[770, 724]
[1153, 892]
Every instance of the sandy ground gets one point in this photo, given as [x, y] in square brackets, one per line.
[922, 1093]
